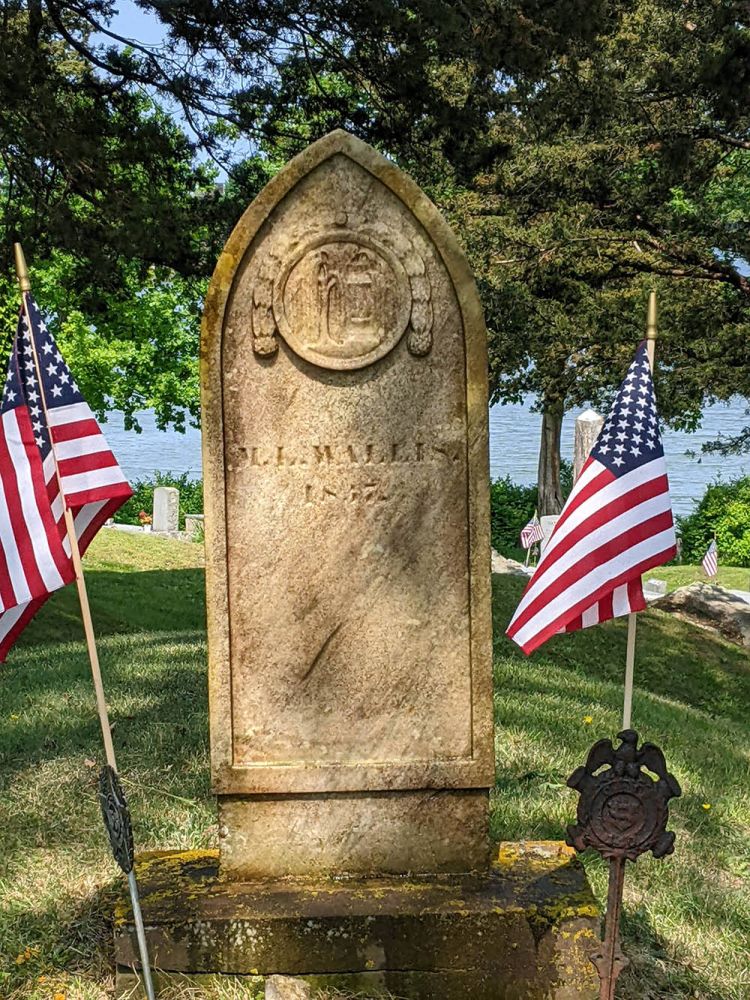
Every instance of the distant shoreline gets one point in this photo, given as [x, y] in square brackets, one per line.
[514, 444]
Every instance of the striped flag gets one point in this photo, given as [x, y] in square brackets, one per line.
[711, 559]
[35, 557]
[617, 524]
[532, 533]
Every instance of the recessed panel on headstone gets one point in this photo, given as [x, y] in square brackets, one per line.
[345, 429]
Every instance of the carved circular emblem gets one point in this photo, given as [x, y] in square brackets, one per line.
[342, 301]
[626, 813]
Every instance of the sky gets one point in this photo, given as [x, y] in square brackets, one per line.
[132, 22]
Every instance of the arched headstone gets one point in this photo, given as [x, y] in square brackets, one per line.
[344, 377]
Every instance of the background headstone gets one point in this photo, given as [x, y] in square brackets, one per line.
[548, 522]
[587, 428]
[654, 587]
[193, 524]
[345, 424]
[166, 516]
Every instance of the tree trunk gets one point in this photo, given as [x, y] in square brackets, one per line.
[550, 491]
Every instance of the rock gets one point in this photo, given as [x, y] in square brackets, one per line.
[502, 565]
[285, 988]
[711, 607]
[654, 587]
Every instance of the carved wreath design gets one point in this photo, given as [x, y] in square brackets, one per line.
[421, 318]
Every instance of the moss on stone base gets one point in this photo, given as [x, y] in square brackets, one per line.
[522, 932]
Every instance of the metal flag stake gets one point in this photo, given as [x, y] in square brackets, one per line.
[116, 816]
[622, 813]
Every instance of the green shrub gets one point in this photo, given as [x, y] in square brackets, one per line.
[191, 497]
[512, 506]
[725, 511]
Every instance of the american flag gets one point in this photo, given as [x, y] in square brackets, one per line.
[616, 524]
[532, 533]
[711, 559]
[35, 556]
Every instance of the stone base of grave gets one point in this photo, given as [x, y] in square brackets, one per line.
[523, 932]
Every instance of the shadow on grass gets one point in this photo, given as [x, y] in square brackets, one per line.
[694, 667]
[75, 937]
[163, 600]
[657, 971]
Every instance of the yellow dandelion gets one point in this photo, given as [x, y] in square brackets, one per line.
[59, 996]
[588, 719]
[706, 806]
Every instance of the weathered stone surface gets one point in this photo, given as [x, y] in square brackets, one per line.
[393, 832]
[502, 565]
[284, 988]
[166, 516]
[344, 380]
[712, 607]
[587, 427]
[525, 930]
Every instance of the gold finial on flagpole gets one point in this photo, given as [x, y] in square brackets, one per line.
[21, 270]
[651, 327]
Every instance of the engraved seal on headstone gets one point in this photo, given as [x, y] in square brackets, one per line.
[343, 299]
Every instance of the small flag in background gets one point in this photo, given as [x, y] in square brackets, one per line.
[35, 557]
[532, 533]
[711, 559]
[616, 524]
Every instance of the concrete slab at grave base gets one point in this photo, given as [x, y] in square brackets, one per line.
[522, 932]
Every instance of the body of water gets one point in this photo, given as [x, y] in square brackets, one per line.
[514, 449]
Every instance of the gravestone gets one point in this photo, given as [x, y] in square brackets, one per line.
[548, 522]
[166, 514]
[587, 428]
[345, 426]
[347, 531]
[193, 524]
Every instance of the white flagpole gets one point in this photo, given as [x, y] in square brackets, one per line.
[716, 574]
[627, 707]
[88, 625]
[528, 551]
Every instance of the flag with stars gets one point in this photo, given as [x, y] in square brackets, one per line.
[532, 533]
[616, 524]
[35, 555]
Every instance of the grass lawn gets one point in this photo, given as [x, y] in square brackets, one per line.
[731, 577]
[687, 919]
